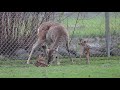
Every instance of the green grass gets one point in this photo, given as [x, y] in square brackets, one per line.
[101, 67]
[93, 27]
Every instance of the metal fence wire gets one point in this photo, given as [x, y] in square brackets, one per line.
[18, 32]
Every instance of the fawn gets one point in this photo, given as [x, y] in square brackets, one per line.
[84, 50]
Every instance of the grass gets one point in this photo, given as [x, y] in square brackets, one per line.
[93, 27]
[101, 67]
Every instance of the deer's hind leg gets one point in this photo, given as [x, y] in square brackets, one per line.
[67, 48]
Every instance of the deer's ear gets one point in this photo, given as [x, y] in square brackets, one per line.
[47, 28]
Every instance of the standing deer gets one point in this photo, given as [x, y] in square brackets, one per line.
[57, 36]
[53, 35]
[84, 50]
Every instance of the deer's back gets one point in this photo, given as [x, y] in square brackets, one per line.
[57, 34]
[44, 28]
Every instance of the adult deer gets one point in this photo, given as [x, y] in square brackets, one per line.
[53, 35]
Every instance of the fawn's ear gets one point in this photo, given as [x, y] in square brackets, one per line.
[42, 54]
[44, 46]
[85, 41]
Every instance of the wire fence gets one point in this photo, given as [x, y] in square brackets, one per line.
[18, 32]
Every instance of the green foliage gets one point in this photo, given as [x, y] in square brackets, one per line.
[92, 27]
[100, 67]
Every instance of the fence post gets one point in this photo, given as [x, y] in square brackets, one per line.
[107, 33]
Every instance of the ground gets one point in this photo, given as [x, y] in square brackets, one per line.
[99, 68]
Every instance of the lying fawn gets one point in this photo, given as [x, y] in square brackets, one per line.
[41, 61]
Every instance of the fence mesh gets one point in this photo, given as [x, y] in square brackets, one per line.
[18, 32]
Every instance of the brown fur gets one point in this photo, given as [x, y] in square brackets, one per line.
[85, 50]
[41, 33]
[56, 36]
[43, 29]
[41, 62]
[51, 34]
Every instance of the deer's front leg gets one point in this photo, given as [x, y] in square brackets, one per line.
[33, 48]
[50, 56]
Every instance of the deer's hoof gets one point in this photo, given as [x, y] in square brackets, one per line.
[28, 63]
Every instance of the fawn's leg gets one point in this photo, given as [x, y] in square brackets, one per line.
[88, 58]
[81, 54]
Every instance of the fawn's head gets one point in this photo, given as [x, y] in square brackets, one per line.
[82, 42]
